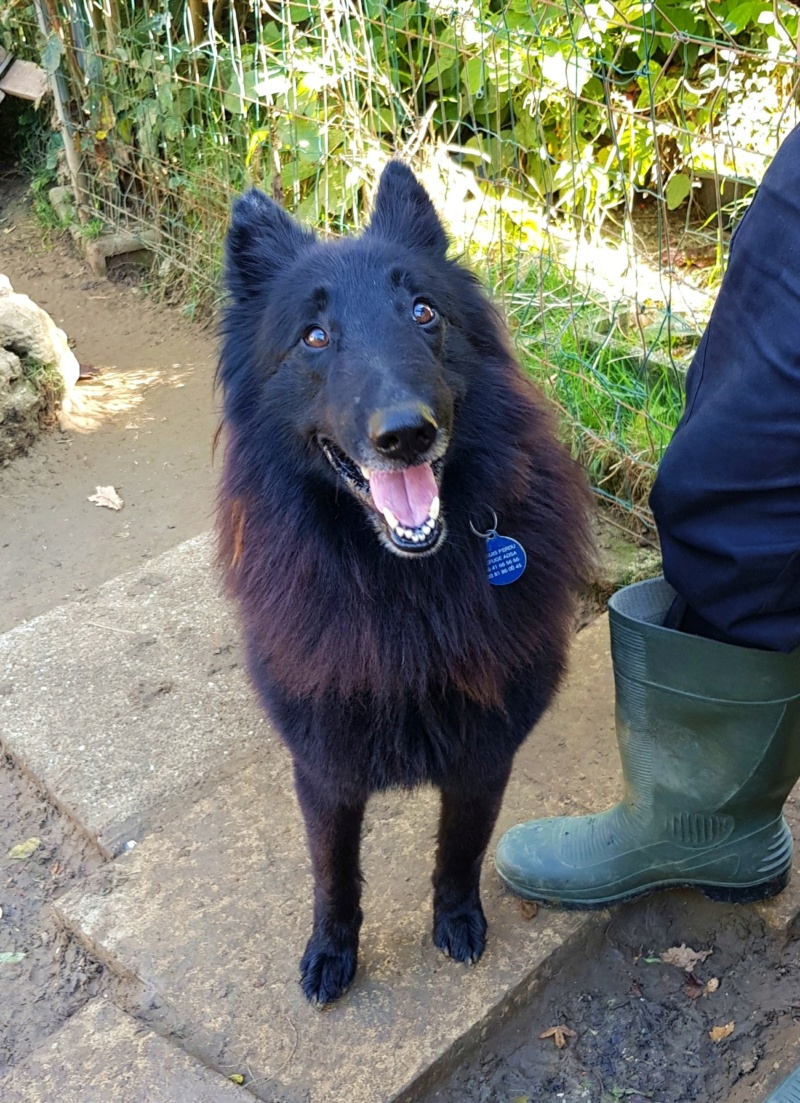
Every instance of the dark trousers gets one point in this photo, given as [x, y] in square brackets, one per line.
[727, 497]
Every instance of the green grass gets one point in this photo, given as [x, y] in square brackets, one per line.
[621, 395]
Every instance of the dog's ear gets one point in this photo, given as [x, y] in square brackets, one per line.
[262, 241]
[404, 213]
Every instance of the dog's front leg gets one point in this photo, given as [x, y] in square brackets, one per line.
[334, 830]
[465, 827]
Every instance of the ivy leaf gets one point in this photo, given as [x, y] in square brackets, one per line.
[677, 189]
[51, 54]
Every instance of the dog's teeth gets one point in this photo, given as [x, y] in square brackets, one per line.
[433, 513]
[391, 520]
[405, 532]
[417, 537]
[365, 471]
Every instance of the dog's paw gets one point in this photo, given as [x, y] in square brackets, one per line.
[461, 933]
[326, 970]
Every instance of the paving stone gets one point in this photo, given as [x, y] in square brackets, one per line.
[210, 915]
[103, 1055]
[121, 703]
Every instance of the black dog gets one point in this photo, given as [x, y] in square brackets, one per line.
[376, 422]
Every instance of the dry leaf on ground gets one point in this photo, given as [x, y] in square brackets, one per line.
[559, 1034]
[695, 990]
[106, 496]
[529, 908]
[685, 957]
[717, 1033]
[24, 850]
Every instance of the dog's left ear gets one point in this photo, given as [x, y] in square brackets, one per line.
[404, 213]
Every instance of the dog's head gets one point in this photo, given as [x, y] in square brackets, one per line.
[353, 341]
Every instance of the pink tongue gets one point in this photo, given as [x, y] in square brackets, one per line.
[408, 494]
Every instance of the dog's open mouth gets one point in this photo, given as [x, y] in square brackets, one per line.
[404, 501]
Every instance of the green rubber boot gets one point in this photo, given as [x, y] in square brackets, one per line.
[789, 1090]
[709, 736]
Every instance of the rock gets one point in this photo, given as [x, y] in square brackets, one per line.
[29, 331]
[29, 342]
[19, 407]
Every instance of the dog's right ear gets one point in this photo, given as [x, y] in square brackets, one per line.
[262, 241]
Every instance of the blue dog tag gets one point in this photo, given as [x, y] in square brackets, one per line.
[505, 559]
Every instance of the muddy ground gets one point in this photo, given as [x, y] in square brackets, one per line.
[641, 1027]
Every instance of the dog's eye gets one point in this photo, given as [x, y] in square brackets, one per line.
[316, 337]
[423, 313]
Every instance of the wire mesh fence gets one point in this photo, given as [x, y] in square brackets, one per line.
[589, 158]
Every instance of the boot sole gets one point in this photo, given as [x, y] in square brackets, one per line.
[720, 894]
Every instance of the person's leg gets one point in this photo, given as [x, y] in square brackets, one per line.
[709, 738]
[709, 727]
[727, 496]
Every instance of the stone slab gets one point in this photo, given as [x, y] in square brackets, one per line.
[123, 703]
[24, 79]
[209, 917]
[103, 1055]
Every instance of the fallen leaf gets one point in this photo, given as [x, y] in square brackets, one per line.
[559, 1034]
[237, 1078]
[717, 1033]
[685, 957]
[11, 957]
[711, 986]
[106, 496]
[529, 908]
[24, 850]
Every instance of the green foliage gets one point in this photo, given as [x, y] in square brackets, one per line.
[531, 113]
[573, 106]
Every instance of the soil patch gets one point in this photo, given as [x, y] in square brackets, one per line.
[54, 977]
[641, 1029]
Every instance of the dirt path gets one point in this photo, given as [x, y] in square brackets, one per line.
[145, 427]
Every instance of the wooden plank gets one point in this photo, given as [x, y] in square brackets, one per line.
[24, 79]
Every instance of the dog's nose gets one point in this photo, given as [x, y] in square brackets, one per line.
[403, 432]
